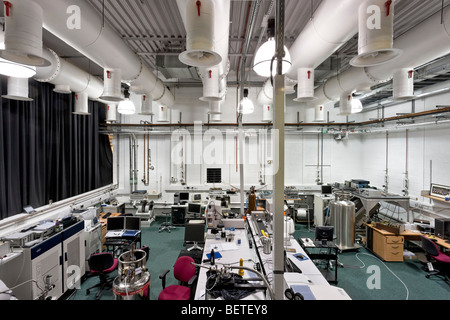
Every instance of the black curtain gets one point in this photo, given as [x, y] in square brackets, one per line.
[46, 152]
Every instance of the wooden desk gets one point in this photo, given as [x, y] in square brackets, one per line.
[415, 236]
[389, 246]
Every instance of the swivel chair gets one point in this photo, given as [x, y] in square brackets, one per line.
[167, 225]
[435, 257]
[186, 273]
[101, 264]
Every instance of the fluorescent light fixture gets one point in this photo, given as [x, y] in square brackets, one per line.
[246, 106]
[265, 54]
[126, 106]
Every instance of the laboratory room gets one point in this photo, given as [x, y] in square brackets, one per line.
[230, 151]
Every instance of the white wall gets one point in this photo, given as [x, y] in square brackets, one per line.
[359, 156]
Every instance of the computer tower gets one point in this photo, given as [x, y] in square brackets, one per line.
[442, 228]
[178, 215]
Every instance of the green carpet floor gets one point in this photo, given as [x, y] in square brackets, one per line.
[397, 281]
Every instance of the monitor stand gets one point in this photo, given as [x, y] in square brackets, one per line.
[195, 246]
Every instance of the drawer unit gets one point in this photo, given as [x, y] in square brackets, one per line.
[388, 248]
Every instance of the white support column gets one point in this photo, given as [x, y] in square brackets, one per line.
[278, 187]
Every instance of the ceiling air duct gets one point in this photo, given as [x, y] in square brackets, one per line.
[214, 111]
[319, 113]
[267, 113]
[111, 112]
[17, 89]
[146, 105]
[376, 27]
[305, 84]
[81, 104]
[23, 33]
[403, 83]
[349, 105]
[112, 90]
[163, 114]
[210, 79]
[67, 77]
[199, 23]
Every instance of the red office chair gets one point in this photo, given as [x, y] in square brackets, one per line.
[185, 272]
[435, 256]
[101, 264]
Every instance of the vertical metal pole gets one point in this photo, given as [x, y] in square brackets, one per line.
[279, 144]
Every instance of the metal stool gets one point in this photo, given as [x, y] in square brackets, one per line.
[166, 225]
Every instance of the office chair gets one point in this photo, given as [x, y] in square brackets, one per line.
[435, 256]
[167, 225]
[185, 272]
[101, 264]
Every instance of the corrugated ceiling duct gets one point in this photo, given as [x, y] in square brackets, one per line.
[216, 15]
[101, 44]
[426, 42]
[64, 74]
[376, 30]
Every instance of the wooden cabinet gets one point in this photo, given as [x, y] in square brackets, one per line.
[388, 247]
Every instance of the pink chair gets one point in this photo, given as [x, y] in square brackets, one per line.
[101, 264]
[435, 256]
[185, 272]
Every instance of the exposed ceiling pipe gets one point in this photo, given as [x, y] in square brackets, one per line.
[101, 44]
[332, 25]
[426, 42]
[64, 74]
[206, 44]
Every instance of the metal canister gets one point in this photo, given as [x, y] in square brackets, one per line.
[133, 279]
[342, 217]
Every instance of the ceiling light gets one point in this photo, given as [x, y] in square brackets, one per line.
[264, 58]
[246, 106]
[12, 69]
[126, 106]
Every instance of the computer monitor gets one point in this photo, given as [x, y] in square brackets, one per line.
[324, 233]
[115, 223]
[327, 189]
[194, 232]
[184, 197]
[194, 208]
[132, 223]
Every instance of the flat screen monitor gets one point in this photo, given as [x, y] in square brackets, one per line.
[132, 223]
[184, 196]
[115, 223]
[324, 233]
[194, 208]
[326, 190]
[194, 232]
